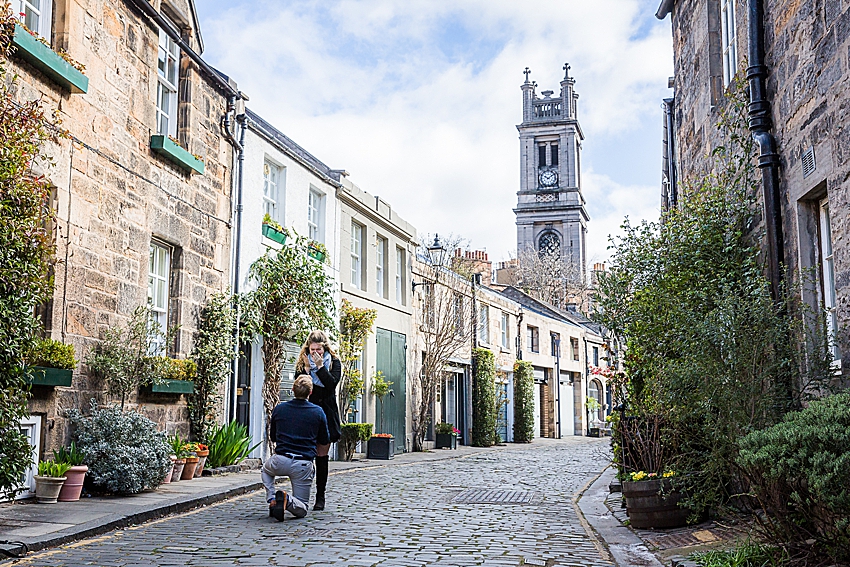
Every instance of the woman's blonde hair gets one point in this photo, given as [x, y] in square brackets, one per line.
[314, 338]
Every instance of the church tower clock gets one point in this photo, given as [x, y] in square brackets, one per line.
[550, 213]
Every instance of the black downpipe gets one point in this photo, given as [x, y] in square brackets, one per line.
[768, 161]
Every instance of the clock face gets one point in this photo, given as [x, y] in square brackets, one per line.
[549, 178]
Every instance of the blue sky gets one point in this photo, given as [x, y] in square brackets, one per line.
[419, 99]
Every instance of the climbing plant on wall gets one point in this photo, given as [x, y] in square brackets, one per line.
[523, 402]
[483, 398]
[355, 324]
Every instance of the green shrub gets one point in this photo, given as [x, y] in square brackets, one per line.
[353, 433]
[53, 468]
[799, 472]
[523, 402]
[124, 451]
[745, 555]
[444, 428]
[229, 444]
[52, 354]
[483, 398]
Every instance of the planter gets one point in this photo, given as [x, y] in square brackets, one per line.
[171, 387]
[175, 153]
[73, 486]
[179, 465]
[202, 460]
[47, 488]
[649, 509]
[382, 448]
[189, 469]
[49, 62]
[43, 376]
[594, 432]
[272, 233]
[446, 441]
[167, 478]
[316, 254]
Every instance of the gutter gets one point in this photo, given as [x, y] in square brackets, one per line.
[665, 8]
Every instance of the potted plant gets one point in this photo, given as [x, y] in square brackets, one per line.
[170, 473]
[75, 475]
[49, 481]
[446, 436]
[273, 230]
[191, 461]
[381, 445]
[593, 406]
[203, 452]
[178, 450]
[652, 500]
[317, 251]
[51, 363]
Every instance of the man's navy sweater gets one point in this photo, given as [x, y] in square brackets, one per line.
[297, 426]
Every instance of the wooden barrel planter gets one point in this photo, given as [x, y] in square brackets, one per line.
[647, 508]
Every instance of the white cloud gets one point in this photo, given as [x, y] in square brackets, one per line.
[418, 100]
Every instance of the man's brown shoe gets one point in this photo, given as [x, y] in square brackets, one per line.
[278, 508]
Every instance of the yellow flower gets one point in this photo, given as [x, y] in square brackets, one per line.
[668, 474]
[636, 476]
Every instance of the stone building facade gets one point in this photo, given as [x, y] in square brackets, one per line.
[806, 57]
[140, 218]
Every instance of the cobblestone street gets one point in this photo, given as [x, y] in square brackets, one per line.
[505, 507]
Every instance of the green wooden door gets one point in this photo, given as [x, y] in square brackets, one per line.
[392, 361]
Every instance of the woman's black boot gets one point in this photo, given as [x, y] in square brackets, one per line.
[321, 482]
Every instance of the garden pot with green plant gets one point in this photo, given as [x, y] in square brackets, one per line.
[179, 451]
[381, 445]
[652, 501]
[446, 436]
[76, 475]
[229, 445]
[51, 363]
[203, 452]
[49, 481]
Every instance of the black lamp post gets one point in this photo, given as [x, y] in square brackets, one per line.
[437, 255]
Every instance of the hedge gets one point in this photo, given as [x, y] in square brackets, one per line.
[523, 402]
[483, 398]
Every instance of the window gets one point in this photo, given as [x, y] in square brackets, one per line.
[36, 15]
[159, 276]
[555, 340]
[541, 155]
[506, 332]
[457, 306]
[315, 216]
[549, 244]
[728, 40]
[483, 323]
[356, 255]
[271, 203]
[430, 314]
[595, 356]
[574, 348]
[166, 87]
[554, 152]
[533, 339]
[381, 266]
[399, 275]
[827, 269]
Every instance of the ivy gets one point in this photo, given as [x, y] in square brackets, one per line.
[483, 398]
[355, 325]
[523, 402]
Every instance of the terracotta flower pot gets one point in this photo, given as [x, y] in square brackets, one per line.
[179, 465]
[189, 469]
[202, 460]
[167, 478]
[73, 487]
[47, 488]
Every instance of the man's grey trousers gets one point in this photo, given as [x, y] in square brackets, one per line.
[300, 473]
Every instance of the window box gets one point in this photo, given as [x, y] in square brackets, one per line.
[172, 387]
[166, 147]
[272, 233]
[49, 62]
[317, 252]
[43, 376]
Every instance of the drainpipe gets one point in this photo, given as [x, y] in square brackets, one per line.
[768, 161]
[669, 158]
[476, 280]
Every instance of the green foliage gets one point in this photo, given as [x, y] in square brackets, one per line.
[179, 447]
[26, 252]
[124, 451]
[799, 470]
[353, 433]
[483, 398]
[380, 388]
[55, 469]
[355, 325]
[523, 402]
[745, 555]
[213, 353]
[126, 357]
[267, 219]
[444, 428]
[70, 455]
[292, 295]
[176, 368]
[229, 444]
[52, 354]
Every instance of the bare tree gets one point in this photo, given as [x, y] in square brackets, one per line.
[550, 278]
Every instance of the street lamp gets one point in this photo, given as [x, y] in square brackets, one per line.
[437, 255]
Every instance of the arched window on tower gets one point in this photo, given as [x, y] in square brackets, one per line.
[549, 245]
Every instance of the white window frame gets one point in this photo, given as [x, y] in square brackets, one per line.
[357, 254]
[505, 331]
[272, 204]
[168, 77]
[729, 36]
[315, 216]
[827, 273]
[38, 19]
[399, 275]
[160, 256]
[484, 323]
[381, 245]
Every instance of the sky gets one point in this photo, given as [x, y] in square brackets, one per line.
[419, 99]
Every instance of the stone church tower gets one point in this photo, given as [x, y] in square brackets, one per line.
[550, 212]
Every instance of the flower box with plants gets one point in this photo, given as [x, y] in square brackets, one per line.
[176, 377]
[273, 230]
[174, 152]
[446, 436]
[51, 363]
[57, 65]
[652, 500]
[49, 481]
[317, 251]
[75, 475]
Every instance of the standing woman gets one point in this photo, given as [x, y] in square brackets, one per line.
[319, 361]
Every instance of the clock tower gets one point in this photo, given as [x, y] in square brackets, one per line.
[550, 213]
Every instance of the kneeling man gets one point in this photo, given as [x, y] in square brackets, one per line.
[296, 427]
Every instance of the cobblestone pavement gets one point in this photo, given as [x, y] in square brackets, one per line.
[400, 515]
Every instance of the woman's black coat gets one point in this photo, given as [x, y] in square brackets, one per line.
[325, 397]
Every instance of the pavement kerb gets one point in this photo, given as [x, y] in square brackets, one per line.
[591, 533]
